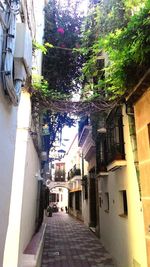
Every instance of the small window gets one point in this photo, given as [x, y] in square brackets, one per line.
[106, 199]
[100, 202]
[123, 203]
[71, 200]
[57, 200]
[148, 126]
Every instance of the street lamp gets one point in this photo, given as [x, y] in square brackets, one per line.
[57, 154]
[61, 153]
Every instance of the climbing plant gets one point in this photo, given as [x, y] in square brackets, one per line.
[101, 58]
[61, 67]
[62, 63]
[116, 47]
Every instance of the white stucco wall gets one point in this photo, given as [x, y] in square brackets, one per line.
[85, 210]
[122, 236]
[8, 121]
[85, 202]
[29, 198]
[19, 164]
[7, 149]
[24, 189]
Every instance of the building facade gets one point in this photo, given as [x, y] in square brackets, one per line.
[139, 100]
[121, 223]
[88, 148]
[19, 160]
[73, 175]
[142, 119]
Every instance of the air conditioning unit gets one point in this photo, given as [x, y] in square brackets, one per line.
[23, 47]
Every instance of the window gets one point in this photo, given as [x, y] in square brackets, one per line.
[106, 201]
[71, 200]
[59, 172]
[52, 197]
[86, 191]
[100, 201]
[115, 140]
[85, 186]
[123, 203]
[148, 126]
[57, 197]
[101, 149]
[77, 200]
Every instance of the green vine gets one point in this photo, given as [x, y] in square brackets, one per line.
[116, 51]
[41, 87]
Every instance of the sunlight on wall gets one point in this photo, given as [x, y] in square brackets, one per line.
[13, 232]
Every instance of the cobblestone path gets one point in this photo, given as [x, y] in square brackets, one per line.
[69, 243]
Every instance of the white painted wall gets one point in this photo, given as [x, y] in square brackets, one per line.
[85, 202]
[29, 196]
[19, 164]
[123, 236]
[85, 210]
[24, 189]
[8, 121]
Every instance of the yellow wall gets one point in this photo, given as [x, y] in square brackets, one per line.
[142, 118]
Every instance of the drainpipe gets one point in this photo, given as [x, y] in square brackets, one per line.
[132, 130]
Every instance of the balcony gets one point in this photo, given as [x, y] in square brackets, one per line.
[74, 172]
[84, 128]
[59, 177]
[89, 148]
[115, 165]
[59, 172]
[116, 152]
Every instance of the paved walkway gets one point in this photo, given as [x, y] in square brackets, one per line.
[69, 243]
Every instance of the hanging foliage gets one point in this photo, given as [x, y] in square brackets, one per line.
[116, 46]
[53, 122]
[103, 59]
[129, 53]
[62, 63]
[61, 66]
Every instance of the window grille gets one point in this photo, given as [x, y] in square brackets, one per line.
[115, 140]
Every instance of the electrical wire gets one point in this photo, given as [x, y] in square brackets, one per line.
[12, 88]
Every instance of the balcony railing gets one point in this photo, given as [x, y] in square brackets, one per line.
[116, 152]
[59, 176]
[74, 172]
[115, 139]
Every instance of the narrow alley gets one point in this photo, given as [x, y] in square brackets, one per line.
[69, 243]
[75, 133]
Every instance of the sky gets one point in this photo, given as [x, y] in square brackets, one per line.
[83, 5]
[68, 135]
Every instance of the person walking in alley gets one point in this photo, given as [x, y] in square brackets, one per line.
[66, 209]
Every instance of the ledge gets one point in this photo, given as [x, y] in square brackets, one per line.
[75, 190]
[107, 211]
[123, 215]
[116, 164]
[33, 252]
[102, 174]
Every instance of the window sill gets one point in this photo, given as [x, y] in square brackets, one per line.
[107, 211]
[123, 215]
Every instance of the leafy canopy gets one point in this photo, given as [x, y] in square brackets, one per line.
[62, 63]
[116, 45]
